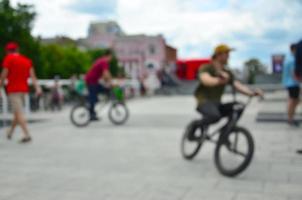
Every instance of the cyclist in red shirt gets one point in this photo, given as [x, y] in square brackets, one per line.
[99, 70]
[17, 69]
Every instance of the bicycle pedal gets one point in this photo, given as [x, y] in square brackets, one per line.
[207, 137]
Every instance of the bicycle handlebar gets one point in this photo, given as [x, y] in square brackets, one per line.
[261, 97]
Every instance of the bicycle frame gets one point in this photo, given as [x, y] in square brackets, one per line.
[228, 139]
[101, 104]
[238, 109]
[107, 100]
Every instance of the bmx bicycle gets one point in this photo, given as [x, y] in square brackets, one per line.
[118, 112]
[234, 146]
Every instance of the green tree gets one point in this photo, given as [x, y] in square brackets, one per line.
[49, 60]
[252, 68]
[63, 61]
[114, 67]
[96, 53]
[16, 25]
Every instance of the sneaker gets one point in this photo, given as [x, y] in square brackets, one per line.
[293, 123]
[25, 140]
[94, 119]
[9, 136]
[299, 151]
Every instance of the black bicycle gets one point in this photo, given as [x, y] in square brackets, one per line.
[234, 146]
[118, 112]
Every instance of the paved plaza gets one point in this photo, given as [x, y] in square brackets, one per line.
[141, 160]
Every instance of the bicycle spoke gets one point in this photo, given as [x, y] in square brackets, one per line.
[80, 116]
[234, 150]
[238, 153]
[234, 153]
[236, 140]
[118, 113]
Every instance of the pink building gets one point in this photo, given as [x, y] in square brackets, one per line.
[139, 54]
[102, 35]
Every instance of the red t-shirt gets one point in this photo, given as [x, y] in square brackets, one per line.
[18, 67]
[96, 71]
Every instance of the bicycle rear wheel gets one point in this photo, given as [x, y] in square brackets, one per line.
[234, 152]
[79, 115]
[118, 113]
[192, 140]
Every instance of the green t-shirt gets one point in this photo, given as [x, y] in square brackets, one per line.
[213, 94]
[80, 87]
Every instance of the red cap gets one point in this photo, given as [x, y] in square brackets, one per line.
[11, 46]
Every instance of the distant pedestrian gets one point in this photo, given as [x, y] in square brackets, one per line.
[57, 96]
[80, 86]
[292, 84]
[72, 87]
[298, 61]
[298, 69]
[142, 87]
[17, 69]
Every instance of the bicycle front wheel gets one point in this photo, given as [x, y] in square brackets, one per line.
[192, 140]
[234, 152]
[79, 115]
[118, 113]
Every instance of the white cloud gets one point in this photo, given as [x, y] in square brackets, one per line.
[53, 18]
[185, 25]
[194, 26]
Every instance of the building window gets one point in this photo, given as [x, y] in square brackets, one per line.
[112, 29]
[152, 49]
[150, 66]
[121, 51]
[102, 46]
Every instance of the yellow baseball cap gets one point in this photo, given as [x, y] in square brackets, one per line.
[222, 48]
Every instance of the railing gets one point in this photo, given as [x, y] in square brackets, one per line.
[5, 105]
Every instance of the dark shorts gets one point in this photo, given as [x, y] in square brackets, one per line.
[213, 112]
[294, 92]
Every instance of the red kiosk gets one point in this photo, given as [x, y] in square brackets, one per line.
[187, 68]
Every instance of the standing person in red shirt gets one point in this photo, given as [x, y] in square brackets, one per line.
[17, 69]
[99, 70]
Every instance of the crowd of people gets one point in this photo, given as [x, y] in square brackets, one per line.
[212, 78]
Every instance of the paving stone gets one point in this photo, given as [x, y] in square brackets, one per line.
[142, 159]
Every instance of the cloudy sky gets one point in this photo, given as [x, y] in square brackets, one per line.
[256, 28]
